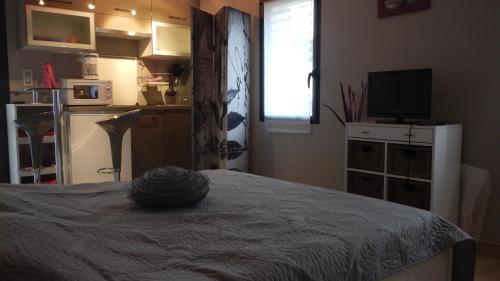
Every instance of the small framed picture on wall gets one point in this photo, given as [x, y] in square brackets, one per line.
[389, 8]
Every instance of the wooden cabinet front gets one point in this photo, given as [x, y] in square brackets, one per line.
[366, 185]
[173, 11]
[122, 8]
[148, 143]
[76, 5]
[161, 138]
[412, 193]
[178, 139]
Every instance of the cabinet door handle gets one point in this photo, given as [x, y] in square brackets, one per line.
[146, 121]
[177, 18]
[365, 132]
[409, 135]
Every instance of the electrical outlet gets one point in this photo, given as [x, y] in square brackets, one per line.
[27, 78]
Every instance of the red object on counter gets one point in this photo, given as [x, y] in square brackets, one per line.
[22, 134]
[49, 78]
[49, 182]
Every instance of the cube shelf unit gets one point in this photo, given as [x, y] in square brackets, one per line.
[19, 146]
[418, 166]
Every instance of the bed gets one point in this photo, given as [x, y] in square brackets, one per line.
[247, 228]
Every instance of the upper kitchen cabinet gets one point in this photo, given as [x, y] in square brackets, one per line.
[173, 11]
[168, 42]
[55, 29]
[128, 19]
[140, 9]
[171, 31]
[77, 5]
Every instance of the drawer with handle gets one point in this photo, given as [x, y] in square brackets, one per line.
[148, 120]
[412, 160]
[366, 155]
[366, 184]
[410, 193]
[419, 135]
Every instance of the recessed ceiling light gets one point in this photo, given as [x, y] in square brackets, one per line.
[133, 12]
[41, 2]
[91, 6]
[131, 33]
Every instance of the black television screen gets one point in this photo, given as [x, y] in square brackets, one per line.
[400, 94]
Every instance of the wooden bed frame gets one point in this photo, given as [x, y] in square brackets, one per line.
[439, 268]
[456, 264]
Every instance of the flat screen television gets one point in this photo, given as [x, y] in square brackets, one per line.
[400, 94]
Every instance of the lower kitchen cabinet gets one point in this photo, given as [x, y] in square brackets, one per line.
[148, 143]
[161, 138]
[178, 151]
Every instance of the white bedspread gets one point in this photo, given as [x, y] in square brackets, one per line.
[248, 228]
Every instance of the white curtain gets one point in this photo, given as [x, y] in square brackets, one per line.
[288, 60]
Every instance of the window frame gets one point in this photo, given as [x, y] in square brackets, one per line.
[315, 117]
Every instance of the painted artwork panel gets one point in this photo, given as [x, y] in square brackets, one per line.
[238, 88]
[206, 135]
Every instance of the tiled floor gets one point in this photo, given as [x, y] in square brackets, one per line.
[487, 268]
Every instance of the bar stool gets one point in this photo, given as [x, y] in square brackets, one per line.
[116, 127]
[36, 126]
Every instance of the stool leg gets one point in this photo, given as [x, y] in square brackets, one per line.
[36, 145]
[36, 126]
[117, 174]
[37, 179]
[116, 127]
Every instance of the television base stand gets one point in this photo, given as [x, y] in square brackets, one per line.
[417, 123]
[397, 121]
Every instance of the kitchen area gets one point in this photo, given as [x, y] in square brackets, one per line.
[98, 59]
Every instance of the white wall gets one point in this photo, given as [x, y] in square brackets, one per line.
[459, 39]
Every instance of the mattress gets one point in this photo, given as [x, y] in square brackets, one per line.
[247, 228]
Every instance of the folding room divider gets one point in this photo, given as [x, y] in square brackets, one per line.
[221, 79]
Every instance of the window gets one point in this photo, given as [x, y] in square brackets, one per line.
[290, 60]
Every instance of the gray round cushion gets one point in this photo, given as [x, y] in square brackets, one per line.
[169, 187]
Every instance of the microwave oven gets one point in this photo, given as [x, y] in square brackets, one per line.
[86, 92]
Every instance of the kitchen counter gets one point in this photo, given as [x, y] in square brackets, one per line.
[121, 108]
[161, 136]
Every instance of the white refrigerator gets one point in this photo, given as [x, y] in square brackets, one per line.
[88, 149]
